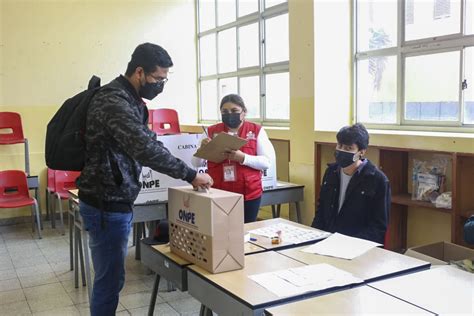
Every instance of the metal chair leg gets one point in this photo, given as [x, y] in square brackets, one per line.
[60, 209]
[76, 258]
[81, 258]
[38, 219]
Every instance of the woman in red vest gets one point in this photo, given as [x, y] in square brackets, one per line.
[241, 171]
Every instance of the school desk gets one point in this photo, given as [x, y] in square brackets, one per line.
[440, 290]
[361, 300]
[234, 293]
[375, 264]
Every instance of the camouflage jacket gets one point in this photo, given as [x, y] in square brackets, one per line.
[118, 144]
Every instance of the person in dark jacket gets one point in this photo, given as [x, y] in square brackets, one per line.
[355, 196]
[118, 144]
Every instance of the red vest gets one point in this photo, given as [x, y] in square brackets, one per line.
[249, 180]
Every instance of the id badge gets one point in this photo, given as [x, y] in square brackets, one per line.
[229, 172]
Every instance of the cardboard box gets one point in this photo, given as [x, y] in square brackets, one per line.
[440, 253]
[207, 228]
[154, 185]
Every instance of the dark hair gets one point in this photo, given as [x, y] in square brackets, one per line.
[234, 98]
[148, 56]
[355, 134]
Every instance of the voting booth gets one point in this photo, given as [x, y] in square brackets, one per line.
[207, 228]
[154, 185]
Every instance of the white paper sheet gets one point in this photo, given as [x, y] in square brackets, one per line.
[246, 237]
[290, 234]
[341, 246]
[310, 278]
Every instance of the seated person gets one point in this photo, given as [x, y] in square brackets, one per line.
[355, 196]
[469, 231]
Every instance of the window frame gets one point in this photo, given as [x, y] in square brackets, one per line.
[406, 49]
[260, 70]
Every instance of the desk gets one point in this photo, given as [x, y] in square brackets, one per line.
[141, 213]
[266, 243]
[375, 264]
[166, 264]
[233, 293]
[441, 290]
[284, 192]
[362, 300]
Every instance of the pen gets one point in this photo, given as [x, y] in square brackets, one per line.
[205, 131]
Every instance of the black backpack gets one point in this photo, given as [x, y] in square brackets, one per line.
[65, 147]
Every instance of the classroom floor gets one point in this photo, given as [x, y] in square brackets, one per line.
[35, 279]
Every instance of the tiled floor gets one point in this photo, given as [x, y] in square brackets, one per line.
[35, 279]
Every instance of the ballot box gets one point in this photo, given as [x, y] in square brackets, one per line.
[207, 228]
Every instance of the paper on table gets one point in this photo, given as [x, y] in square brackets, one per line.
[246, 237]
[304, 279]
[289, 233]
[213, 150]
[341, 246]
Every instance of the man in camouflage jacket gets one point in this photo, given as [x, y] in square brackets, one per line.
[119, 143]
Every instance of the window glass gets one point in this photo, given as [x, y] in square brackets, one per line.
[250, 92]
[227, 86]
[377, 90]
[432, 87]
[207, 51]
[271, 3]
[227, 51]
[247, 7]
[276, 40]
[207, 15]
[376, 24]
[277, 104]
[425, 19]
[209, 103]
[248, 45]
[468, 85]
[225, 11]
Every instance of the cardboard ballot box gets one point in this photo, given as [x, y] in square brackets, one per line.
[440, 253]
[207, 228]
[154, 185]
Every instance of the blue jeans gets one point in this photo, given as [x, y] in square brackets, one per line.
[108, 245]
[251, 208]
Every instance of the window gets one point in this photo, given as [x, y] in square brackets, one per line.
[413, 63]
[243, 48]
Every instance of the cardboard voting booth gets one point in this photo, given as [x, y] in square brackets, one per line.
[207, 228]
[154, 185]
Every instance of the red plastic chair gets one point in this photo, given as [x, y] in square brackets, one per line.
[165, 122]
[14, 194]
[63, 181]
[12, 120]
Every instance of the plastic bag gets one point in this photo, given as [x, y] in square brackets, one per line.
[429, 179]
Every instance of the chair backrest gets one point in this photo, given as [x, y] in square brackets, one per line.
[11, 120]
[51, 185]
[65, 180]
[13, 184]
[165, 122]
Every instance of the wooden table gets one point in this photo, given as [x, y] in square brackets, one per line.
[362, 300]
[266, 243]
[234, 293]
[284, 192]
[375, 264]
[440, 290]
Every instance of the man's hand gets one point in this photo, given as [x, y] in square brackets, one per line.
[203, 181]
[234, 155]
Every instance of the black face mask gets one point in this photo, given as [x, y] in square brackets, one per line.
[232, 120]
[150, 90]
[344, 158]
